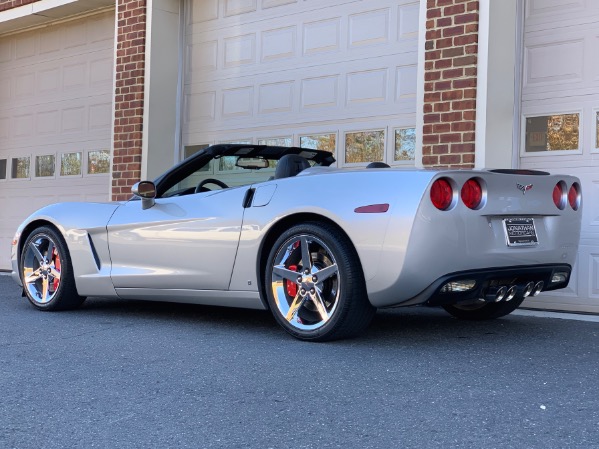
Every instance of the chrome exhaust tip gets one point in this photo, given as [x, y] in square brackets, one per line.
[528, 289]
[495, 294]
[538, 288]
[511, 292]
[500, 295]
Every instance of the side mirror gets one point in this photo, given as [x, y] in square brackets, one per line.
[146, 190]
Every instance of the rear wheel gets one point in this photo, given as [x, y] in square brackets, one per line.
[483, 311]
[47, 272]
[315, 286]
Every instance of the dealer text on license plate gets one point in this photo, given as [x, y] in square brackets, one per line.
[520, 231]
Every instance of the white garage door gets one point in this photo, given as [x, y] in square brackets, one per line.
[55, 118]
[333, 74]
[560, 106]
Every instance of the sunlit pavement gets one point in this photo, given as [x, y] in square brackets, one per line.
[125, 374]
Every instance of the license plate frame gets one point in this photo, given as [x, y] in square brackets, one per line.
[520, 231]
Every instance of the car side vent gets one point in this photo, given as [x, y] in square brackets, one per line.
[509, 171]
[94, 252]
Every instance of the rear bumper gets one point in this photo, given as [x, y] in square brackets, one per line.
[488, 279]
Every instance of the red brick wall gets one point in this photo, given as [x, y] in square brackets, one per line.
[129, 96]
[451, 52]
[9, 4]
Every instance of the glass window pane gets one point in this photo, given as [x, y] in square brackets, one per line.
[227, 163]
[597, 130]
[2, 168]
[193, 149]
[405, 144]
[98, 162]
[552, 133]
[70, 164]
[276, 141]
[44, 165]
[325, 142]
[365, 146]
[20, 167]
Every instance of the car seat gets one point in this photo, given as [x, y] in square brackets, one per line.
[290, 165]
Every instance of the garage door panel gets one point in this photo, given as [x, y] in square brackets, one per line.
[542, 14]
[338, 38]
[204, 14]
[57, 122]
[309, 93]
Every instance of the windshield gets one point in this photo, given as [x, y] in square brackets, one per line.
[226, 174]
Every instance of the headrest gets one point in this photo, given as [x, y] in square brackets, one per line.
[290, 165]
[377, 165]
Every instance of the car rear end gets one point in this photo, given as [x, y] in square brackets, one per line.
[489, 235]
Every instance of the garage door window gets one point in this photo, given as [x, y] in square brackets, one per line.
[193, 149]
[560, 132]
[276, 141]
[44, 166]
[364, 146]
[405, 145]
[325, 142]
[98, 162]
[70, 164]
[20, 168]
[2, 169]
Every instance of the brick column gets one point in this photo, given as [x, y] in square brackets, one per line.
[451, 51]
[10, 4]
[129, 96]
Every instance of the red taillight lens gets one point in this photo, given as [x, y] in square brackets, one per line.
[472, 193]
[441, 194]
[559, 195]
[574, 196]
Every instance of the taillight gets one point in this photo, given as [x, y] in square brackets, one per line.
[442, 194]
[574, 196]
[559, 195]
[472, 193]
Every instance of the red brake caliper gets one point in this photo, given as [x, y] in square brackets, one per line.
[57, 267]
[290, 286]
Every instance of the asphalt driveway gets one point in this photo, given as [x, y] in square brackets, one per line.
[125, 374]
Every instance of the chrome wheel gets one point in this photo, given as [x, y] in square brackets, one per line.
[47, 271]
[41, 268]
[314, 283]
[305, 282]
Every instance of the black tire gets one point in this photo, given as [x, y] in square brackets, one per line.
[333, 307]
[484, 311]
[46, 271]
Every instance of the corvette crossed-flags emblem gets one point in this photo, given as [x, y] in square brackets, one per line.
[524, 188]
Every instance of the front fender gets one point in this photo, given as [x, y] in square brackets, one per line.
[83, 226]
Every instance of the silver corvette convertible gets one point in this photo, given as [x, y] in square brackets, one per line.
[277, 228]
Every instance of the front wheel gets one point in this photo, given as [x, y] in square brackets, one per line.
[315, 285]
[483, 311]
[47, 271]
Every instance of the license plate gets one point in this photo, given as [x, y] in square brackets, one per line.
[520, 232]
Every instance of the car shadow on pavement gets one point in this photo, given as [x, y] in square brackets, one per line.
[412, 325]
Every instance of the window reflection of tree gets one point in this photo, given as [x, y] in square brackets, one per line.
[405, 144]
[98, 162]
[70, 164]
[366, 146]
[20, 167]
[562, 132]
[325, 142]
